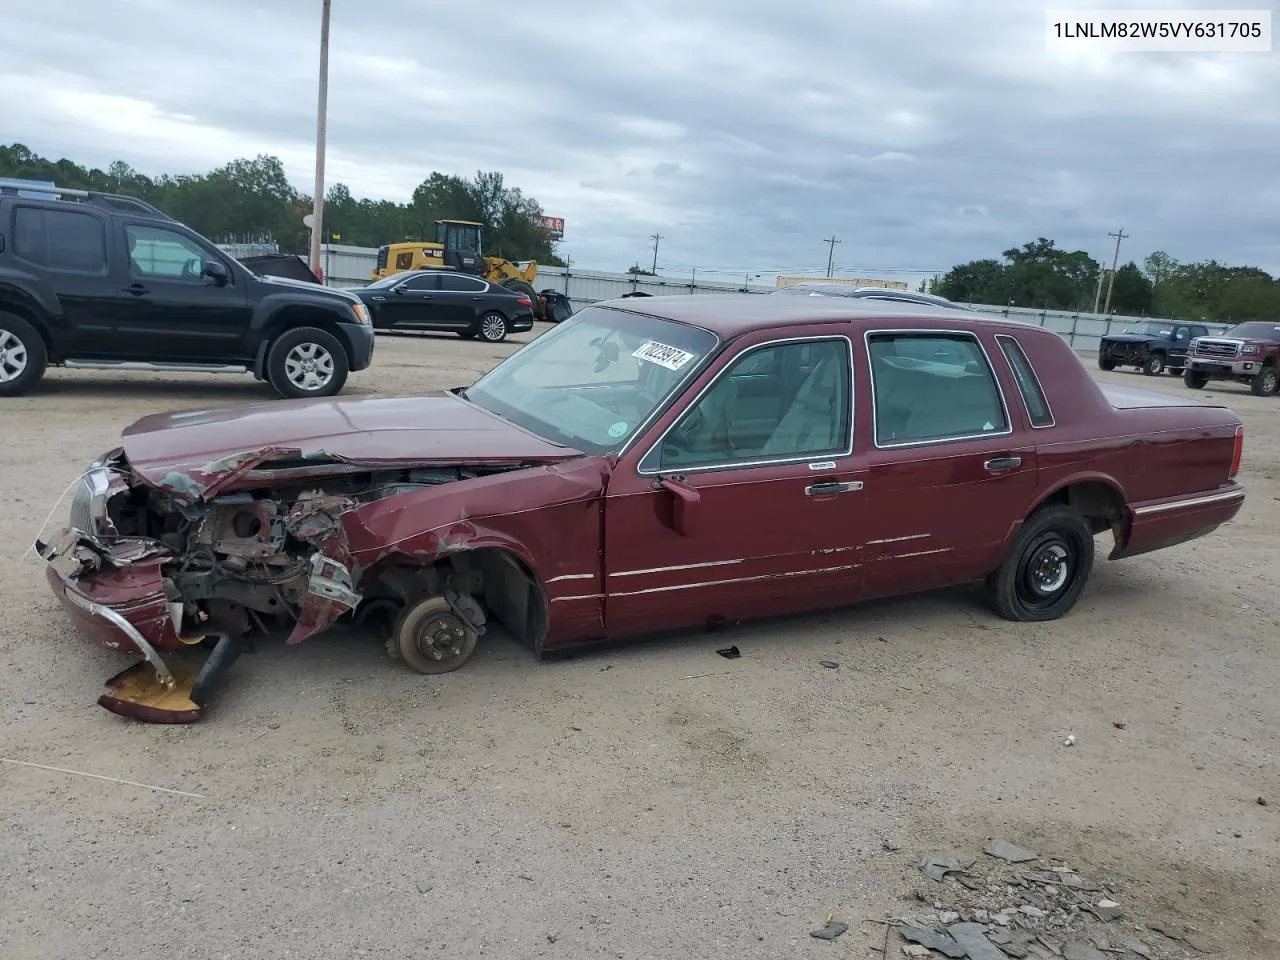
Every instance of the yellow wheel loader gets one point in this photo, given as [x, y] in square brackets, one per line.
[457, 247]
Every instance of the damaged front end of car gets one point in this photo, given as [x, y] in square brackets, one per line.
[256, 544]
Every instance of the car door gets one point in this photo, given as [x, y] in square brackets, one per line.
[950, 469]
[412, 304]
[69, 251]
[169, 310]
[463, 299]
[743, 500]
[1181, 340]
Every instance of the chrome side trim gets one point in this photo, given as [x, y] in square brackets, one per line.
[125, 627]
[745, 464]
[875, 429]
[1189, 502]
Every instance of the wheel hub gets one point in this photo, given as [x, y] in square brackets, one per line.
[1049, 570]
[441, 637]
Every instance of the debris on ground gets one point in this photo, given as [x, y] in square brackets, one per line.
[829, 664]
[1016, 903]
[938, 866]
[830, 930]
[1005, 850]
[1070, 741]
[730, 653]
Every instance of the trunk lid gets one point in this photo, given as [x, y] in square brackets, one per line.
[1134, 398]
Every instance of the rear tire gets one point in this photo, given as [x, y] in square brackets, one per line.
[1153, 366]
[23, 358]
[307, 362]
[1265, 383]
[1194, 379]
[493, 327]
[1105, 362]
[1047, 567]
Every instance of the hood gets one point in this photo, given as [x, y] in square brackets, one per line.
[315, 289]
[1130, 338]
[200, 452]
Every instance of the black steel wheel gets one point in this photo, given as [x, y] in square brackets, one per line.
[1046, 568]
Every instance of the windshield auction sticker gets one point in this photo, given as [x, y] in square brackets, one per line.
[673, 358]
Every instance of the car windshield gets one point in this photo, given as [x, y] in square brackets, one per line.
[591, 381]
[1152, 330]
[1254, 331]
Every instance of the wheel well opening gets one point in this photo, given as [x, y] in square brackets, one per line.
[24, 312]
[291, 318]
[1099, 503]
[497, 578]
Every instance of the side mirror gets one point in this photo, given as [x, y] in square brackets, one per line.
[684, 506]
[217, 272]
[399, 291]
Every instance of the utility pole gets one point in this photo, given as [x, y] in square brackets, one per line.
[1111, 281]
[831, 253]
[317, 208]
[655, 238]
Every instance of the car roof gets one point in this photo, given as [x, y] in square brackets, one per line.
[731, 315]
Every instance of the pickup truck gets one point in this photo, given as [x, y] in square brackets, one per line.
[646, 466]
[1152, 347]
[109, 282]
[1247, 353]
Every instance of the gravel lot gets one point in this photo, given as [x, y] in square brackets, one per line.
[656, 801]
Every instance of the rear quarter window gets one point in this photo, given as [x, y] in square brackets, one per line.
[1028, 383]
[60, 239]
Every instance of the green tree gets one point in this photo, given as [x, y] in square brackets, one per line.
[1131, 292]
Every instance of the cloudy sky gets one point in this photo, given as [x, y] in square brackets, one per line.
[919, 133]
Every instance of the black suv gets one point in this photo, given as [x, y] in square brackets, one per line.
[1152, 347]
[110, 282]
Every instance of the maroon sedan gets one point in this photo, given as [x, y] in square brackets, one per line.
[647, 466]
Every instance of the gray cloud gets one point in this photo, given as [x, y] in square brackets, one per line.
[922, 134]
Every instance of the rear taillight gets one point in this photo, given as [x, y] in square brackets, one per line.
[1237, 453]
[525, 302]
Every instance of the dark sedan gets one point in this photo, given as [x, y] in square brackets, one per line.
[447, 301]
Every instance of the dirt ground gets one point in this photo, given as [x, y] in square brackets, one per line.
[657, 801]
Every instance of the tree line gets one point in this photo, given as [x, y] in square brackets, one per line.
[1043, 276]
[251, 200]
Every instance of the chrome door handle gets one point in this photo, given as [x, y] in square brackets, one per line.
[827, 489]
[1000, 464]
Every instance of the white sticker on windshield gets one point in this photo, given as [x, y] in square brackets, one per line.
[673, 358]
[618, 430]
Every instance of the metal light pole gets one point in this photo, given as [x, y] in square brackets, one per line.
[317, 209]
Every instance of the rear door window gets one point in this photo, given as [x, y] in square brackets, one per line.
[1028, 383]
[60, 239]
[933, 387]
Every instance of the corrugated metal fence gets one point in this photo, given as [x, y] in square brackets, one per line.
[352, 266]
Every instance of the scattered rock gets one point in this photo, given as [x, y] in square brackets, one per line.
[915, 950]
[831, 930]
[929, 940]
[891, 846]
[730, 653]
[973, 939]
[1003, 850]
[1237, 834]
[967, 882]
[1262, 801]
[829, 664]
[1138, 947]
[1070, 741]
[1032, 911]
[1118, 724]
